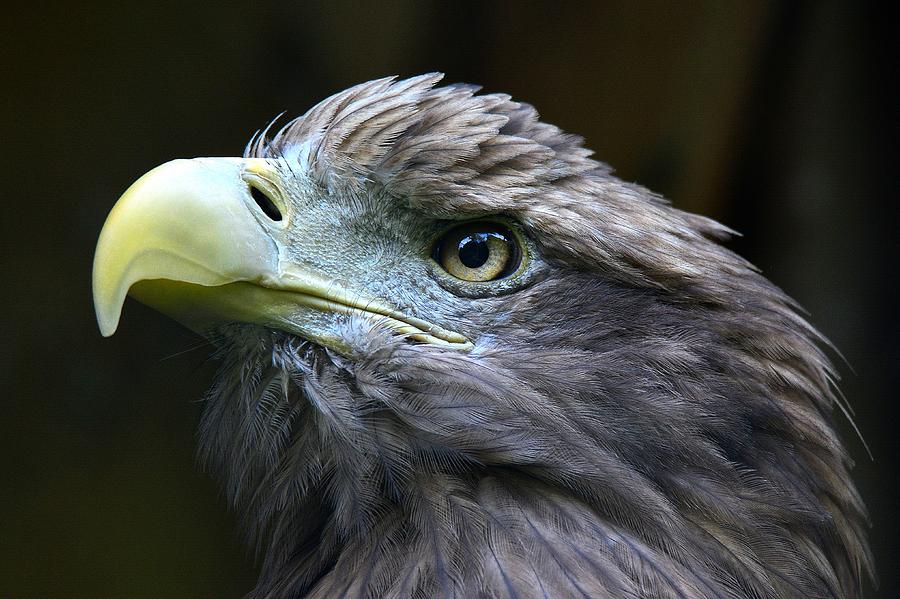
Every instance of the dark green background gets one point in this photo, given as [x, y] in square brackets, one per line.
[772, 117]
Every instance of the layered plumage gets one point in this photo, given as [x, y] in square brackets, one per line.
[642, 415]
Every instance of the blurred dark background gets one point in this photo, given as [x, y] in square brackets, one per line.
[771, 117]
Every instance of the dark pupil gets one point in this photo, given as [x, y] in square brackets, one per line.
[474, 250]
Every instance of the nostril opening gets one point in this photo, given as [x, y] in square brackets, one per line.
[265, 203]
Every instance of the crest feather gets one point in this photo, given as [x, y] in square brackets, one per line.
[426, 141]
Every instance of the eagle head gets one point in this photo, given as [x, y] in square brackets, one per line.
[460, 358]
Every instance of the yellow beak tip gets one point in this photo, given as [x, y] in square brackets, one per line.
[107, 314]
[107, 328]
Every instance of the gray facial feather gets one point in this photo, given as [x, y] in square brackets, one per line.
[646, 417]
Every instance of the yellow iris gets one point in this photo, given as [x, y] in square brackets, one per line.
[477, 252]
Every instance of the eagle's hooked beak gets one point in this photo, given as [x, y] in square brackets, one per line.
[189, 240]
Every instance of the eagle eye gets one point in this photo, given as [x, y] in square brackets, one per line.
[478, 252]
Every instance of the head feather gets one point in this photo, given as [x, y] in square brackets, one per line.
[656, 421]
